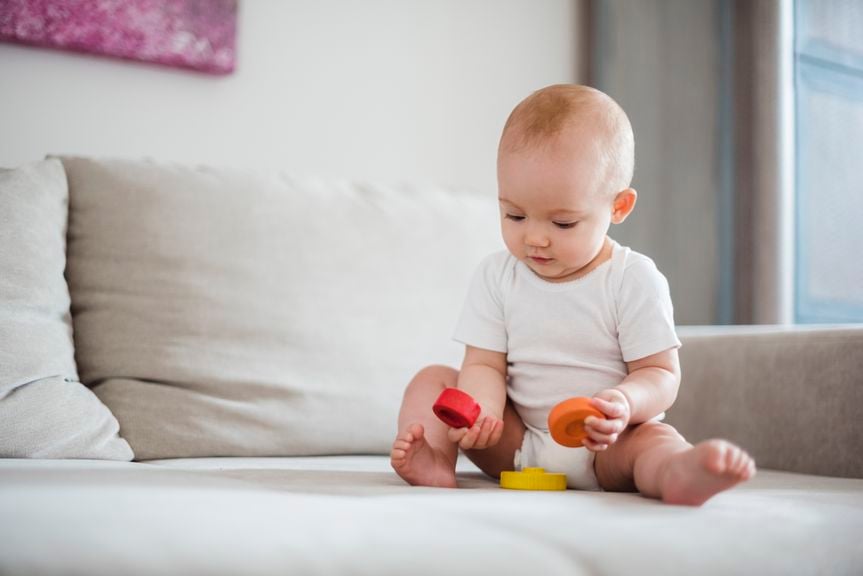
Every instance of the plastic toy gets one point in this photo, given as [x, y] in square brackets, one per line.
[566, 421]
[532, 479]
[456, 409]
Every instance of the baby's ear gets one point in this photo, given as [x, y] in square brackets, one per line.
[624, 203]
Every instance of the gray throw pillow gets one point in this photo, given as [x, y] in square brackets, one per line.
[44, 411]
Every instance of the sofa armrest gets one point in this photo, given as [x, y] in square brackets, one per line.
[791, 396]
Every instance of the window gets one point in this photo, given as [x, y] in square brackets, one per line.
[828, 81]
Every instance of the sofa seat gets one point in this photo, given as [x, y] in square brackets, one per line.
[353, 515]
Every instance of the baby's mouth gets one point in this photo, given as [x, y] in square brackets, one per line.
[540, 260]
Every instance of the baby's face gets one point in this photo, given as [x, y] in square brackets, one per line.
[554, 210]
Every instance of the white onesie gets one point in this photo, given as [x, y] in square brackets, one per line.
[566, 339]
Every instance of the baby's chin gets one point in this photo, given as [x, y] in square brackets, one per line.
[552, 271]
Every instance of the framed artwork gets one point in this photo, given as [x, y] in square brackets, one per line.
[193, 34]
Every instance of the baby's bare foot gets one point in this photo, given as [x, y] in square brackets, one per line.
[418, 463]
[693, 476]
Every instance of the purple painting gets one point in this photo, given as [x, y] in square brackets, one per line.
[196, 34]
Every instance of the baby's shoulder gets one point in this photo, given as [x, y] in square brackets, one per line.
[631, 264]
[638, 272]
[497, 267]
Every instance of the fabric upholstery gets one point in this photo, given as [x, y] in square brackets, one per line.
[790, 396]
[222, 312]
[44, 411]
[352, 515]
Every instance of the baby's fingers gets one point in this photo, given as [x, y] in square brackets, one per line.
[497, 433]
[603, 425]
[485, 431]
[607, 439]
[455, 435]
[492, 437]
[602, 431]
[594, 446]
[610, 409]
[469, 439]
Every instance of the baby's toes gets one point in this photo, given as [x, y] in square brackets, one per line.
[736, 459]
[735, 462]
[750, 469]
[745, 467]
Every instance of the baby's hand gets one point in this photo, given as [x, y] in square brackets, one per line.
[484, 433]
[601, 433]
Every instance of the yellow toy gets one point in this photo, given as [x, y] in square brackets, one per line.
[532, 479]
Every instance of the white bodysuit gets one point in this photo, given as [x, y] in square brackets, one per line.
[566, 339]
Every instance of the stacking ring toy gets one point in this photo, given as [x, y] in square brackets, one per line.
[456, 409]
[532, 479]
[566, 421]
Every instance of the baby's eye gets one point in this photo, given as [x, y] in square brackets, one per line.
[565, 225]
[515, 217]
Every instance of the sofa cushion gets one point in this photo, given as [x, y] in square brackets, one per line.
[352, 515]
[44, 411]
[222, 312]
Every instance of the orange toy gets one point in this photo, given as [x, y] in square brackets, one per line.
[566, 421]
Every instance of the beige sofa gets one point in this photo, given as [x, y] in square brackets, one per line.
[245, 339]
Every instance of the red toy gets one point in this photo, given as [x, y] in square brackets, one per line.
[456, 409]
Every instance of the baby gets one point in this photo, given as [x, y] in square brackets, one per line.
[564, 312]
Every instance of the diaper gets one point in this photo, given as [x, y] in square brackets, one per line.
[539, 450]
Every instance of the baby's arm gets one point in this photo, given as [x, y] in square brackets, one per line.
[483, 376]
[647, 391]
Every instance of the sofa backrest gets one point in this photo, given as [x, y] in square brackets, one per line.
[791, 396]
[222, 312]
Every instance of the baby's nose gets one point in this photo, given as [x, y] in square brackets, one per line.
[536, 238]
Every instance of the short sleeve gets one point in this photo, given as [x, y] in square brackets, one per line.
[645, 312]
[482, 319]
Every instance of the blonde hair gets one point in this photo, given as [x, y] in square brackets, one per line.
[545, 114]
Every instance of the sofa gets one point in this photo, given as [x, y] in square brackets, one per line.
[201, 369]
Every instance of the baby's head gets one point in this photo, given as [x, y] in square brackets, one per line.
[571, 114]
[565, 165]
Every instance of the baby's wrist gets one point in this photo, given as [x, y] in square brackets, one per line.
[485, 411]
[626, 400]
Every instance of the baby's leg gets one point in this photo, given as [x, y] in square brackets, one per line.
[422, 454]
[654, 459]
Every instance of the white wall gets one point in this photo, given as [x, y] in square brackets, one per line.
[379, 89]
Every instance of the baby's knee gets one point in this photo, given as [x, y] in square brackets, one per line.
[435, 377]
[653, 429]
